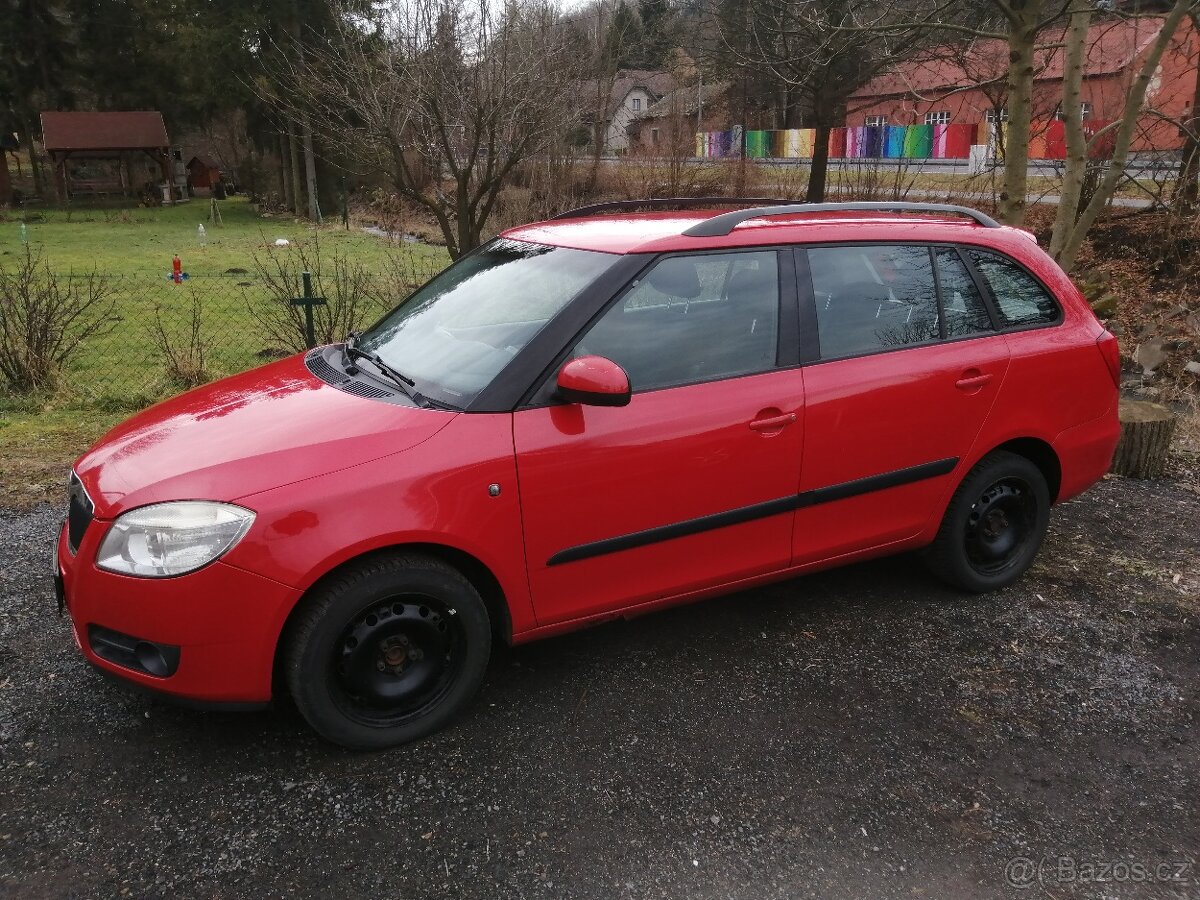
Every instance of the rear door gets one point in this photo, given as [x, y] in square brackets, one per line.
[691, 484]
[910, 363]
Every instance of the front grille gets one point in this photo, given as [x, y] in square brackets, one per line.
[79, 512]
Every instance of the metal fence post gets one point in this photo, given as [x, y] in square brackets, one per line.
[308, 301]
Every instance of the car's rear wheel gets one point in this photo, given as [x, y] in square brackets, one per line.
[994, 525]
[387, 651]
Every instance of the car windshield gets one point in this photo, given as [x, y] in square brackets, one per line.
[455, 334]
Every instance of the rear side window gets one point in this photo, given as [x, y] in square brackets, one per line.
[693, 318]
[873, 298]
[1020, 299]
[965, 312]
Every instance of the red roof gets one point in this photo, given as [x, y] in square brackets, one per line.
[1112, 47]
[104, 130]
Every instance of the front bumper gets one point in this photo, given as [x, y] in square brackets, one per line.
[223, 622]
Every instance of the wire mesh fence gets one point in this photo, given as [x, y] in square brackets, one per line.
[156, 337]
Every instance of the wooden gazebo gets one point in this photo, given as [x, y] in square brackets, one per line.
[121, 136]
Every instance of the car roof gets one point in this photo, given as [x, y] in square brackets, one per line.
[659, 232]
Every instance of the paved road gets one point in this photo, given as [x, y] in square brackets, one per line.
[858, 733]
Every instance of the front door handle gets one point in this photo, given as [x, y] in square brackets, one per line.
[772, 423]
[972, 380]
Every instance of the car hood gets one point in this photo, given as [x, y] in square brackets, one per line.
[249, 433]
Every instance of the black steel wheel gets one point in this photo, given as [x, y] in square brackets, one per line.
[993, 526]
[396, 659]
[388, 651]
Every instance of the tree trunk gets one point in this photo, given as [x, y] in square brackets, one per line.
[818, 173]
[1129, 118]
[293, 144]
[1187, 187]
[1022, 35]
[285, 183]
[35, 169]
[5, 180]
[1077, 148]
[1146, 430]
[310, 171]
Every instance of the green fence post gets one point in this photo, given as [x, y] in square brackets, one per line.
[308, 301]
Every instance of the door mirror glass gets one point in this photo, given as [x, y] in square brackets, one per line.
[594, 381]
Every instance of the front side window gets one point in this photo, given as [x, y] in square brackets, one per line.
[938, 117]
[1020, 298]
[996, 114]
[455, 334]
[637, 104]
[876, 121]
[693, 318]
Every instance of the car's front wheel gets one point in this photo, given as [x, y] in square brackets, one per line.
[387, 651]
[994, 525]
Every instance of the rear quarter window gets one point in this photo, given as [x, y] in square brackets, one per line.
[1020, 298]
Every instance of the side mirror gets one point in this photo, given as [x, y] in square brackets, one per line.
[594, 381]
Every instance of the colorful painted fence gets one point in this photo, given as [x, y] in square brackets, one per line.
[891, 142]
[867, 142]
[1048, 140]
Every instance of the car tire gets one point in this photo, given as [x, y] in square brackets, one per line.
[387, 651]
[994, 525]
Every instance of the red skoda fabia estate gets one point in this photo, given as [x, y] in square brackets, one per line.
[590, 417]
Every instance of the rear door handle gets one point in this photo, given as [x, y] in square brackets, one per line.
[972, 380]
[772, 423]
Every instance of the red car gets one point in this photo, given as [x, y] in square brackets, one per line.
[587, 418]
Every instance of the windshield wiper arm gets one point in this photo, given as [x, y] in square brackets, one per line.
[353, 353]
[350, 353]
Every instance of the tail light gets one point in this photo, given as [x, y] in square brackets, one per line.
[1109, 349]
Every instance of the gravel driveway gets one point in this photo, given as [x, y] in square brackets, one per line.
[858, 733]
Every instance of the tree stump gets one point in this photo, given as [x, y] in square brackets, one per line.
[1146, 430]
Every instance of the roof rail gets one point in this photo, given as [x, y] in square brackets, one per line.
[723, 224]
[673, 203]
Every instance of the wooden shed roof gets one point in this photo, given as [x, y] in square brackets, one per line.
[135, 130]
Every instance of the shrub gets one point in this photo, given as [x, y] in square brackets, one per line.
[184, 357]
[45, 317]
[346, 286]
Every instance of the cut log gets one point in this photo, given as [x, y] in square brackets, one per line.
[1146, 430]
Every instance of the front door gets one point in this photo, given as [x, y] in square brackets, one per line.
[691, 484]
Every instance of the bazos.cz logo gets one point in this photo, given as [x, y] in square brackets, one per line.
[1023, 872]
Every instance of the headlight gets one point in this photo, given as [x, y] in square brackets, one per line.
[172, 538]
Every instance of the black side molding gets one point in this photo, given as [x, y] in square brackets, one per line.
[763, 510]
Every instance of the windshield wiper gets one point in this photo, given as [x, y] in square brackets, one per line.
[350, 353]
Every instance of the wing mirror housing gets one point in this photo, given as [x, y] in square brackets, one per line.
[594, 381]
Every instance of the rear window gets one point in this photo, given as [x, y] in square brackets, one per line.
[1020, 298]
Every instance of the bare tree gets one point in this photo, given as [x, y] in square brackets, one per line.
[819, 50]
[445, 100]
[1072, 224]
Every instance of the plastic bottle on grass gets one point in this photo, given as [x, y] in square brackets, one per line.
[202, 236]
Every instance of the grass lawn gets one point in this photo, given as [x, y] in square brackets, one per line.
[38, 446]
[123, 368]
[132, 249]
[141, 241]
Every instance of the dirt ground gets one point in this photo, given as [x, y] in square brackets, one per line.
[859, 733]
